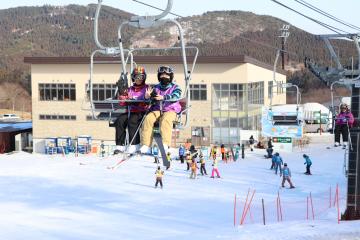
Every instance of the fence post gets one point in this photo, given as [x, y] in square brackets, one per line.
[263, 210]
[337, 202]
[307, 207]
[235, 210]
[280, 210]
[312, 206]
[330, 198]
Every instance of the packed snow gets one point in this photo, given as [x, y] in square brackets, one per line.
[68, 197]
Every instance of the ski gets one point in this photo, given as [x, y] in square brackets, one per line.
[118, 163]
[159, 142]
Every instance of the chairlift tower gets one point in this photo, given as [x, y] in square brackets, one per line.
[340, 75]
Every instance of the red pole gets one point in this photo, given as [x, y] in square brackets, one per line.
[312, 207]
[336, 191]
[330, 198]
[248, 207]
[337, 203]
[235, 210]
[242, 216]
[280, 210]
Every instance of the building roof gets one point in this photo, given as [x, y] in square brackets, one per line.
[151, 59]
[15, 126]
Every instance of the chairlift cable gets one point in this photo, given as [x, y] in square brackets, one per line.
[318, 10]
[332, 28]
[148, 5]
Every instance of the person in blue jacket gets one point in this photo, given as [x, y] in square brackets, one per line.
[155, 153]
[286, 174]
[181, 153]
[308, 164]
[278, 163]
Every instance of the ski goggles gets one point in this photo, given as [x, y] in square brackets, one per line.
[139, 77]
[165, 69]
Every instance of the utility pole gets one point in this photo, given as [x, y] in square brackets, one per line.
[284, 35]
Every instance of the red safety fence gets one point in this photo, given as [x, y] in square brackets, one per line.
[253, 209]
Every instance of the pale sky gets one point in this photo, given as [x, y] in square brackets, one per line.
[346, 10]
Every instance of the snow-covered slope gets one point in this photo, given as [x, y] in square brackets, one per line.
[54, 197]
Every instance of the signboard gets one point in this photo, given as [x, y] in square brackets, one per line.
[281, 129]
[282, 144]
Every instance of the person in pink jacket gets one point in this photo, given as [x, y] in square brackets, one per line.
[343, 122]
[135, 112]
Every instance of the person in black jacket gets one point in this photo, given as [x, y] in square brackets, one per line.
[269, 150]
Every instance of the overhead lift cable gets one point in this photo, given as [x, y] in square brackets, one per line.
[332, 28]
[318, 10]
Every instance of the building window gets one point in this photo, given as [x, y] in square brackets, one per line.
[57, 92]
[279, 88]
[103, 91]
[57, 117]
[198, 92]
[234, 107]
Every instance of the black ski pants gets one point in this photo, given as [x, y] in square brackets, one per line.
[158, 180]
[203, 169]
[131, 122]
[342, 129]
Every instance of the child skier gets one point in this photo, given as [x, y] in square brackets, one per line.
[194, 168]
[286, 174]
[215, 169]
[159, 174]
[213, 152]
[251, 142]
[181, 153]
[222, 150]
[237, 152]
[308, 164]
[202, 165]
[188, 161]
[278, 163]
[155, 153]
[168, 157]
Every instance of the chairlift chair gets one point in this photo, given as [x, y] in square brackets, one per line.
[111, 107]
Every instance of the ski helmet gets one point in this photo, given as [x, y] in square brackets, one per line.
[167, 70]
[138, 73]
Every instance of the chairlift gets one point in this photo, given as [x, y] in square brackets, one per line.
[111, 106]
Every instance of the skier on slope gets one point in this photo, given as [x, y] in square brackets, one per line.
[308, 164]
[251, 142]
[286, 174]
[278, 163]
[213, 152]
[135, 112]
[194, 168]
[155, 153]
[159, 175]
[167, 95]
[215, 169]
[181, 153]
[202, 165]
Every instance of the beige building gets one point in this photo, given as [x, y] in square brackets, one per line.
[227, 94]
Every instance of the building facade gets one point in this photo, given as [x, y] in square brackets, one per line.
[227, 94]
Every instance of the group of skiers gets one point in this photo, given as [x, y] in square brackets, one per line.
[148, 105]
